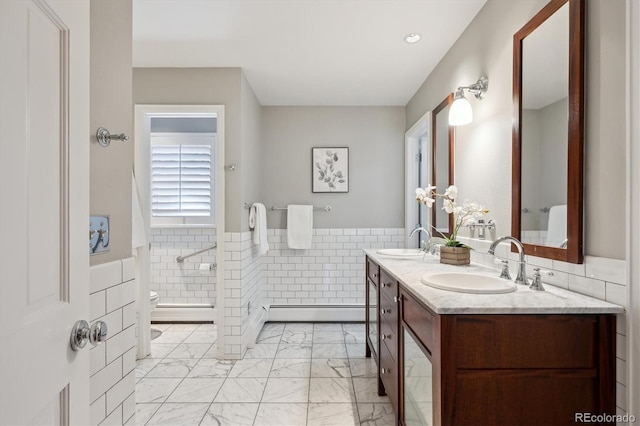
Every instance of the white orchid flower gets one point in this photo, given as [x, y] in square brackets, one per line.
[429, 201]
[448, 206]
[451, 192]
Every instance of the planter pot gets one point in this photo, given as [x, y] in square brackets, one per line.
[455, 255]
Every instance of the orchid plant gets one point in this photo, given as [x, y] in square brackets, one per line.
[463, 215]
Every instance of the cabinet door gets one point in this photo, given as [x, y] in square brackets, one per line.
[372, 319]
[417, 383]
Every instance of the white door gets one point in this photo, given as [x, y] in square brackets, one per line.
[44, 210]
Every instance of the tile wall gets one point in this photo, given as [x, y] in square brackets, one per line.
[182, 282]
[112, 364]
[598, 277]
[243, 292]
[331, 272]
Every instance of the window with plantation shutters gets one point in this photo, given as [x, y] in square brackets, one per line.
[182, 179]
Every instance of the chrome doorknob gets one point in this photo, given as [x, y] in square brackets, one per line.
[98, 333]
[80, 335]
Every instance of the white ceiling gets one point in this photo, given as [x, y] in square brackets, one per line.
[305, 52]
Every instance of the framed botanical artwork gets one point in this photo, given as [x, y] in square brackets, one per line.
[330, 169]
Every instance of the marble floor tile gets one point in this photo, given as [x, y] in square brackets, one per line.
[329, 350]
[179, 414]
[172, 336]
[227, 414]
[354, 327]
[296, 337]
[251, 368]
[285, 367]
[155, 390]
[270, 335]
[332, 414]
[363, 367]
[143, 366]
[296, 351]
[212, 352]
[354, 337]
[376, 414]
[160, 350]
[262, 350]
[286, 390]
[281, 415]
[331, 390]
[144, 412]
[337, 367]
[169, 367]
[196, 390]
[270, 327]
[355, 350]
[202, 337]
[327, 326]
[184, 327]
[299, 326]
[241, 390]
[328, 337]
[212, 368]
[367, 390]
[189, 350]
[207, 327]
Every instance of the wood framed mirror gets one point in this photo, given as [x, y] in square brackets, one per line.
[548, 132]
[442, 162]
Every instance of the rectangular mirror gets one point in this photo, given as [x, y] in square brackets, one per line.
[548, 81]
[442, 157]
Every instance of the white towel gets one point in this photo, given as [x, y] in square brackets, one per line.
[138, 234]
[299, 226]
[557, 226]
[258, 215]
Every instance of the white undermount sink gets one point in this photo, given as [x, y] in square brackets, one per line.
[402, 253]
[463, 282]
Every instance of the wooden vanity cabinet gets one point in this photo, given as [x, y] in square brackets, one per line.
[492, 369]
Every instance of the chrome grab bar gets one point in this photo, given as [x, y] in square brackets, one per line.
[181, 259]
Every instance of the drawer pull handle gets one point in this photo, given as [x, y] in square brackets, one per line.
[385, 311]
[375, 275]
[385, 370]
[385, 285]
[397, 298]
[385, 337]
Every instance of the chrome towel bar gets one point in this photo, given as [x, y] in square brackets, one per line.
[181, 259]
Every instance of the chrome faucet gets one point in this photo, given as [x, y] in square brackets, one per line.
[426, 245]
[521, 278]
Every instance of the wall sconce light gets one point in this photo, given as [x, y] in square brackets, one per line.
[460, 112]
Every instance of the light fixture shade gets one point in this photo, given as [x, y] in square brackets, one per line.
[460, 112]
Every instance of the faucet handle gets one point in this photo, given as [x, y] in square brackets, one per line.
[536, 283]
[505, 268]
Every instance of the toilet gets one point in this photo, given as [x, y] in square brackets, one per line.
[153, 302]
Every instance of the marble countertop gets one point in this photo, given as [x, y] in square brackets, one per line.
[554, 300]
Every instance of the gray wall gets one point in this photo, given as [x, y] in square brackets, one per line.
[111, 107]
[375, 137]
[483, 148]
[252, 167]
[203, 86]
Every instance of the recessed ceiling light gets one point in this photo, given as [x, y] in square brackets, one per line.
[412, 38]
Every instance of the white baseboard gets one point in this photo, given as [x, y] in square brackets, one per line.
[317, 313]
[184, 314]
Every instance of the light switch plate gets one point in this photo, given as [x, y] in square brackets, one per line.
[98, 234]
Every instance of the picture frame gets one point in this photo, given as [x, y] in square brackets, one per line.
[330, 169]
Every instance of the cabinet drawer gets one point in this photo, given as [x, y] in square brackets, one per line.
[389, 310]
[389, 375]
[418, 319]
[373, 271]
[389, 336]
[388, 286]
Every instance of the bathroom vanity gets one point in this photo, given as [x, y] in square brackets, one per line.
[516, 358]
